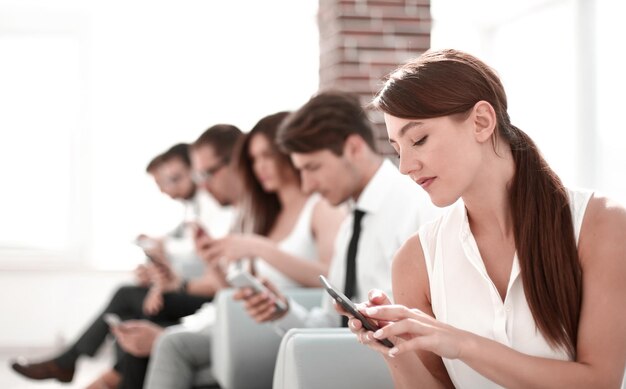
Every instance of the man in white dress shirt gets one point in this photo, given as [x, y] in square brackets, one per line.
[331, 143]
[213, 171]
[172, 173]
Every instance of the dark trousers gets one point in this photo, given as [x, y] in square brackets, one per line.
[127, 303]
[133, 369]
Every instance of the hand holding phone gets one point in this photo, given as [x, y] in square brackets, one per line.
[152, 248]
[200, 231]
[145, 243]
[243, 279]
[349, 307]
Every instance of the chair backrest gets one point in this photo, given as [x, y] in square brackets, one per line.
[329, 358]
[244, 352]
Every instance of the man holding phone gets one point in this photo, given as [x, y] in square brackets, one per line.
[174, 260]
[211, 154]
[331, 143]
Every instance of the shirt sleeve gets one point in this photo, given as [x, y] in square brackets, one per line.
[179, 249]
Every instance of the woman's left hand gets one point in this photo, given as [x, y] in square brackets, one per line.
[419, 331]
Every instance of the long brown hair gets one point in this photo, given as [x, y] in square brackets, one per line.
[449, 82]
[261, 208]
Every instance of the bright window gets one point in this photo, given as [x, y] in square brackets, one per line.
[40, 100]
[92, 90]
[562, 73]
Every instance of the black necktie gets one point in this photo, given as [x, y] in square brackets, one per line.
[350, 284]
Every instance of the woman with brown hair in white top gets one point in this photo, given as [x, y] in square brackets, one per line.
[523, 282]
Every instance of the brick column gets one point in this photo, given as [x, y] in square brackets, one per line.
[361, 41]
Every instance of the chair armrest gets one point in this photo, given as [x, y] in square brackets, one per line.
[244, 352]
[328, 358]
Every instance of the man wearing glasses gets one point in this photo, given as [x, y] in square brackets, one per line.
[174, 260]
[212, 171]
[210, 157]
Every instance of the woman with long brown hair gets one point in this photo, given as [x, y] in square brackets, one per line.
[288, 234]
[522, 283]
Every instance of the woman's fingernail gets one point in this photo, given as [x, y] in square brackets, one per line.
[393, 352]
[371, 311]
[378, 334]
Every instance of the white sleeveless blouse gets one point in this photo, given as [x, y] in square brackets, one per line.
[463, 295]
[300, 243]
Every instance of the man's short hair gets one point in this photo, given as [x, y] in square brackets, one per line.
[154, 164]
[325, 122]
[222, 138]
[180, 151]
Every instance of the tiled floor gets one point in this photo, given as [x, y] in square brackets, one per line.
[87, 370]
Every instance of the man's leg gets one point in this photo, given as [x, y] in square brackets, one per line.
[176, 357]
[133, 371]
[126, 302]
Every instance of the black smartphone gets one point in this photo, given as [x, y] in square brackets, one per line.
[351, 308]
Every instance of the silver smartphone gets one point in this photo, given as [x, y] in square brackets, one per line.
[349, 307]
[145, 243]
[112, 319]
[243, 279]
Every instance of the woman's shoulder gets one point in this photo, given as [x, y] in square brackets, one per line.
[324, 212]
[409, 252]
[410, 276]
[602, 231]
[604, 213]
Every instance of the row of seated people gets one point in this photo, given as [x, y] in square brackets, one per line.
[510, 287]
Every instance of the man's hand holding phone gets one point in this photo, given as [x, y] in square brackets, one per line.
[202, 241]
[142, 275]
[152, 247]
[153, 302]
[261, 298]
[165, 278]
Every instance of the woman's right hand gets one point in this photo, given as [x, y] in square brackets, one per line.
[203, 245]
[376, 297]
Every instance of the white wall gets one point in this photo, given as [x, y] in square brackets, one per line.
[144, 75]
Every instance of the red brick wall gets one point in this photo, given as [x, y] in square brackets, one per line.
[361, 41]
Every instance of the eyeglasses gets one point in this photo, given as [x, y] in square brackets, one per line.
[172, 180]
[206, 175]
